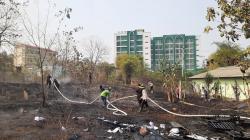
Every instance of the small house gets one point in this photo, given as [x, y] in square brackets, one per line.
[227, 82]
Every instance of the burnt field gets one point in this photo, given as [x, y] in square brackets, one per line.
[65, 120]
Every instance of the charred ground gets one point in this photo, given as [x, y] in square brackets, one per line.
[17, 114]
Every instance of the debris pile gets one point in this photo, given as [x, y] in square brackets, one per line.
[151, 131]
[232, 126]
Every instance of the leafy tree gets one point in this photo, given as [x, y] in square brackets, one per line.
[106, 69]
[216, 88]
[236, 89]
[129, 69]
[245, 62]
[171, 77]
[233, 17]
[129, 65]
[227, 54]
[208, 81]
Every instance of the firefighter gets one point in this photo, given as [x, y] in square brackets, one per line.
[49, 80]
[104, 95]
[151, 87]
[144, 98]
[139, 93]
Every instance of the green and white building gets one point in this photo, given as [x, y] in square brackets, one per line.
[134, 42]
[180, 49]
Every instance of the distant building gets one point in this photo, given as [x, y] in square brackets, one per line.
[180, 49]
[134, 42]
[27, 58]
[229, 82]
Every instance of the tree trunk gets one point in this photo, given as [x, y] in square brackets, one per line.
[172, 95]
[0, 40]
[128, 79]
[169, 98]
[90, 78]
[43, 89]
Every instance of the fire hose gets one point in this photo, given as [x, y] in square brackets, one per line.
[187, 115]
[187, 103]
[117, 111]
[112, 108]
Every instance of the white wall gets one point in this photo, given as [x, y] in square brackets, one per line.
[147, 48]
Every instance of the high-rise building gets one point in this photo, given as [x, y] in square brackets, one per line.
[180, 49]
[134, 42]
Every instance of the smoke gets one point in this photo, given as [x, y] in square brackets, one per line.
[65, 80]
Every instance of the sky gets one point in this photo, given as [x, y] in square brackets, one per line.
[102, 18]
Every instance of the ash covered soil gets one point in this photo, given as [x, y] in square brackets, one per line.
[17, 113]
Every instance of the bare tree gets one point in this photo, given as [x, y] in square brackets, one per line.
[67, 49]
[39, 36]
[94, 52]
[9, 13]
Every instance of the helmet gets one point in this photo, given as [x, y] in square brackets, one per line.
[141, 85]
[109, 88]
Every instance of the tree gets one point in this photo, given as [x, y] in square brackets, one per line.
[227, 54]
[217, 89]
[94, 52]
[208, 81]
[106, 70]
[171, 77]
[9, 14]
[236, 89]
[233, 17]
[129, 66]
[6, 62]
[67, 49]
[39, 36]
[129, 69]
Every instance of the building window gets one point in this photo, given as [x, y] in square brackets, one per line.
[139, 48]
[139, 37]
[121, 49]
[139, 53]
[132, 43]
[123, 43]
[118, 43]
[132, 49]
[124, 38]
[138, 42]
[158, 42]
[118, 38]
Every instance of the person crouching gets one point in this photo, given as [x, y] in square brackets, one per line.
[104, 94]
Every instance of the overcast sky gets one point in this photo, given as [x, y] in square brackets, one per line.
[102, 18]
